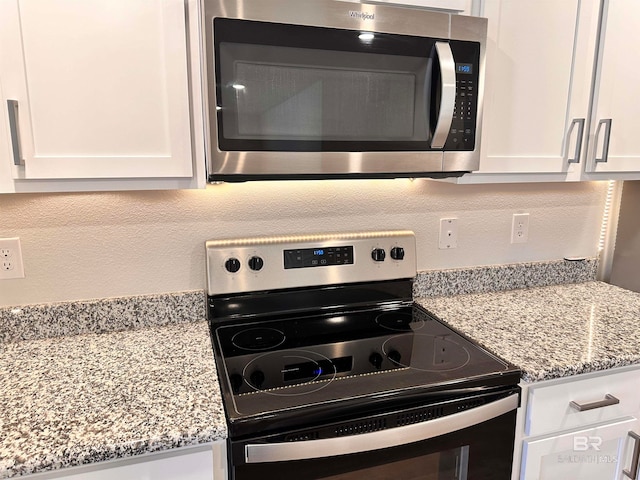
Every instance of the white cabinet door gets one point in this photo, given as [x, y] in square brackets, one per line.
[6, 184]
[616, 91]
[187, 463]
[597, 453]
[538, 75]
[101, 87]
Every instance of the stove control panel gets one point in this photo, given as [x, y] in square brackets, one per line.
[318, 257]
[269, 263]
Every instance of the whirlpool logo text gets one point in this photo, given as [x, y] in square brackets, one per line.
[362, 15]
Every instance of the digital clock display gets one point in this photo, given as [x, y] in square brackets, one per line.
[466, 68]
[318, 257]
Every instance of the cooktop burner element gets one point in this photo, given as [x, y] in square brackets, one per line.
[399, 322]
[438, 353]
[306, 369]
[310, 336]
[257, 339]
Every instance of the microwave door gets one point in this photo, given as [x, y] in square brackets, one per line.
[312, 89]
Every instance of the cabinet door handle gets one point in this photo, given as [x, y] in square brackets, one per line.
[578, 150]
[607, 137]
[608, 400]
[14, 127]
[632, 473]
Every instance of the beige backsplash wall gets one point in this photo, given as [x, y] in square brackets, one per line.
[95, 245]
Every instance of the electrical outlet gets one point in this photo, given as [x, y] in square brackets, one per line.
[448, 233]
[11, 265]
[520, 228]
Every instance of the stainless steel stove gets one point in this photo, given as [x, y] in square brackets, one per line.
[329, 370]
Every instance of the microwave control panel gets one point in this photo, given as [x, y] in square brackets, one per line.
[462, 135]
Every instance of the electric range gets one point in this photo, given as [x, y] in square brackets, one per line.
[317, 341]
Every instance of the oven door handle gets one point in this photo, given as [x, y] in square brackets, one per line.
[329, 447]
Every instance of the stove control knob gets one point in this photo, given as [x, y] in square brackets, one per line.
[378, 254]
[394, 356]
[397, 253]
[232, 265]
[376, 360]
[257, 379]
[236, 382]
[256, 263]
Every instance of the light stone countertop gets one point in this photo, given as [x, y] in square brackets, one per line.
[82, 399]
[550, 332]
[83, 382]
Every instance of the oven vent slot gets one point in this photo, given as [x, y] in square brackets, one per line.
[419, 416]
[471, 404]
[301, 437]
[361, 427]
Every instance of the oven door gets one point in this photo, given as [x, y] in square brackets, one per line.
[352, 95]
[476, 443]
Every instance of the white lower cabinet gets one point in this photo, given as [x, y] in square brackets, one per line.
[596, 453]
[583, 427]
[206, 462]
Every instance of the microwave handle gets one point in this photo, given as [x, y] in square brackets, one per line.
[447, 94]
[367, 442]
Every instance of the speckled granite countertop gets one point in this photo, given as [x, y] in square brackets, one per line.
[82, 382]
[553, 331]
[85, 398]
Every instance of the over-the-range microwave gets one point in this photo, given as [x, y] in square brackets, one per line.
[304, 89]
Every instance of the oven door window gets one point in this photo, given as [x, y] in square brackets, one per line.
[300, 88]
[450, 464]
[482, 452]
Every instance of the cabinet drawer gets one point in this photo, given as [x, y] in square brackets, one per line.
[596, 453]
[550, 408]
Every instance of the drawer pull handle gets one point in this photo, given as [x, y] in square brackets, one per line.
[632, 473]
[608, 400]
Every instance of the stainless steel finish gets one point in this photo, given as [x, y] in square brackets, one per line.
[472, 29]
[345, 15]
[279, 163]
[463, 464]
[278, 452]
[578, 150]
[469, 28]
[447, 95]
[270, 249]
[607, 137]
[632, 473]
[14, 127]
[582, 407]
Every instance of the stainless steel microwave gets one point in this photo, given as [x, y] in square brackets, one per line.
[304, 89]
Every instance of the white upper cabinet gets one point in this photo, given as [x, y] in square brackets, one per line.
[615, 124]
[538, 75]
[96, 90]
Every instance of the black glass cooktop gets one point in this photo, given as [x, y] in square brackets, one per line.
[314, 362]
